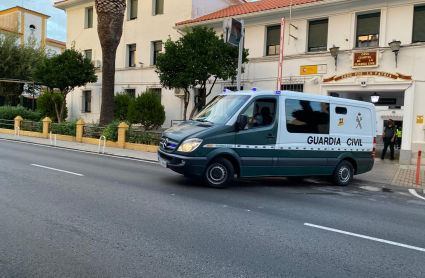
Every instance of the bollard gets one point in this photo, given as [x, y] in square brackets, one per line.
[418, 167]
[17, 129]
[104, 144]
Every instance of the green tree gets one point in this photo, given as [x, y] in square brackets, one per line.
[121, 103]
[65, 72]
[46, 105]
[196, 59]
[17, 61]
[110, 18]
[147, 110]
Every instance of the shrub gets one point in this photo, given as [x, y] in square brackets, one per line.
[65, 128]
[11, 112]
[121, 103]
[111, 131]
[46, 106]
[147, 110]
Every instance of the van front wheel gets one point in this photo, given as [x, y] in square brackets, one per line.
[219, 173]
[343, 174]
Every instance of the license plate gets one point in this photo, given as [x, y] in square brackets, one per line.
[162, 162]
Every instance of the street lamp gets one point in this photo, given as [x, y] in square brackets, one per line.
[374, 97]
[395, 47]
[334, 52]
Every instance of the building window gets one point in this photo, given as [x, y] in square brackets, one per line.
[303, 116]
[131, 48]
[318, 35]
[368, 29]
[273, 40]
[158, 92]
[89, 17]
[419, 24]
[130, 92]
[157, 48]
[294, 87]
[86, 102]
[159, 7]
[88, 54]
[133, 9]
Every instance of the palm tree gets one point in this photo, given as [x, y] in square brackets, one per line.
[110, 17]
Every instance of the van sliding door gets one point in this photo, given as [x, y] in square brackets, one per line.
[303, 142]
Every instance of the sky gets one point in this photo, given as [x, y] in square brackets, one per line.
[56, 24]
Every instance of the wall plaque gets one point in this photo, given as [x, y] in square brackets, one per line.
[365, 59]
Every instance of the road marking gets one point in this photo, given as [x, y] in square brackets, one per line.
[79, 151]
[414, 193]
[59, 170]
[366, 237]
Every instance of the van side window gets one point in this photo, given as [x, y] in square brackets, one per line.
[303, 116]
[341, 110]
[261, 113]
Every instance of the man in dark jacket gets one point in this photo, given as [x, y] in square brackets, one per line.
[390, 133]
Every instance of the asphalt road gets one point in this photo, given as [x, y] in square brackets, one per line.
[112, 217]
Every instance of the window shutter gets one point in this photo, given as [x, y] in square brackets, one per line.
[133, 9]
[273, 35]
[90, 17]
[158, 46]
[159, 6]
[132, 47]
[318, 34]
[368, 24]
[419, 24]
[82, 102]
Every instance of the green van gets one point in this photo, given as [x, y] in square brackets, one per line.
[273, 133]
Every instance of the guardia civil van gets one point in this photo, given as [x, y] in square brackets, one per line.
[273, 133]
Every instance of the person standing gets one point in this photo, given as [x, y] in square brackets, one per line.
[390, 133]
[399, 135]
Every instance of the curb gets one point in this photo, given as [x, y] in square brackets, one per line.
[83, 151]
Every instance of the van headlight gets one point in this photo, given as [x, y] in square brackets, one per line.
[189, 145]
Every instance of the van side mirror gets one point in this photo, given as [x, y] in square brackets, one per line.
[242, 122]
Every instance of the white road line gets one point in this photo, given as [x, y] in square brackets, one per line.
[59, 170]
[367, 237]
[79, 151]
[414, 193]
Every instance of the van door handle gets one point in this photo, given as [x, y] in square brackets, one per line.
[270, 136]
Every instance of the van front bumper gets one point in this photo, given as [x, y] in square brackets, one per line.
[185, 165]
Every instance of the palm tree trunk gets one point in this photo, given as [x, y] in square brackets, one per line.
[110, 17]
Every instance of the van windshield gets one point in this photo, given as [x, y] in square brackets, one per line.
[221, 108]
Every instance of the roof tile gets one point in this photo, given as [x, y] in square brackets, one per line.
[247, 8]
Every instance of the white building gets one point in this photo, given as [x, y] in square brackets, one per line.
[27, 23]
[361, 29]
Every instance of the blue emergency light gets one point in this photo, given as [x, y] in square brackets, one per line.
[278, 92]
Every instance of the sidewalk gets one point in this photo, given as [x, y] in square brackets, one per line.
[85, 147]
[384, 171]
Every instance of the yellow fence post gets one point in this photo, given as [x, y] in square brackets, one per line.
[18, 122]
[80, 128]
[122, 128]
[46, 124]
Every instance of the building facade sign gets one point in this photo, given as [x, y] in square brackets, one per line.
[315, 69]
[368, 73]
[365, 59]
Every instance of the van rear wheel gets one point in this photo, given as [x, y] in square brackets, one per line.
[343, 173]
[219, 173]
